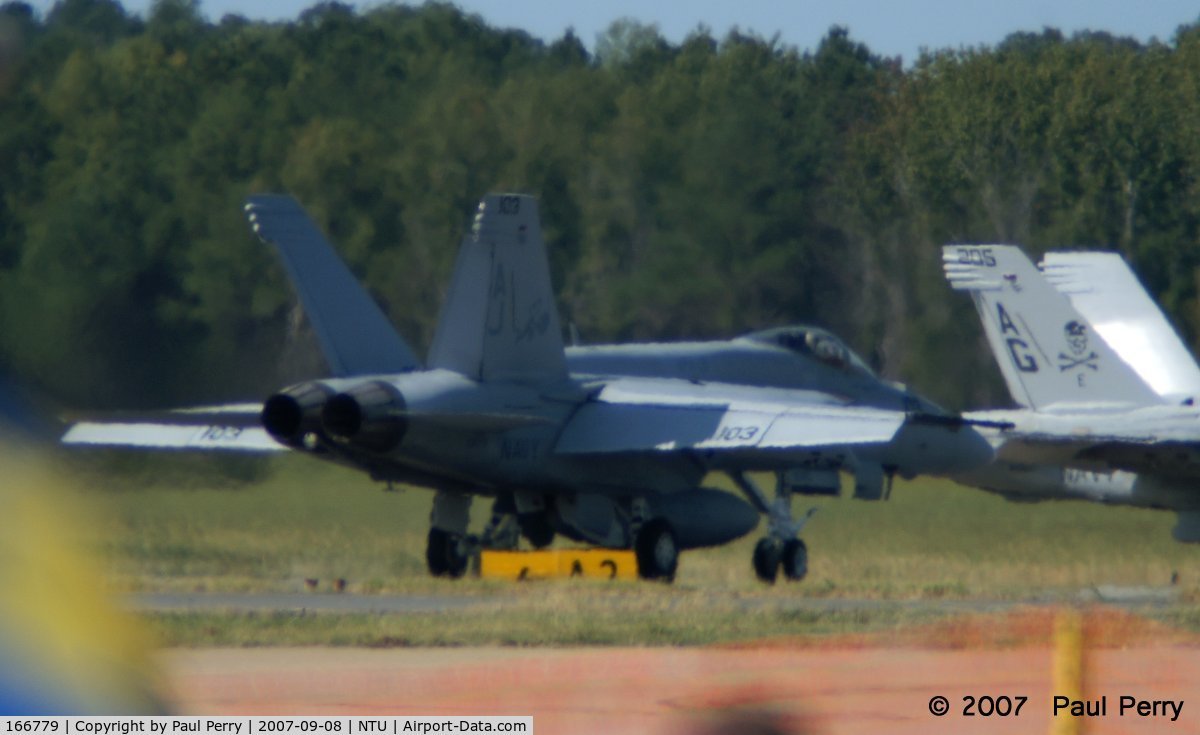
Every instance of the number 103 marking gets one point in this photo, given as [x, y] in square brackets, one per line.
[736, 433]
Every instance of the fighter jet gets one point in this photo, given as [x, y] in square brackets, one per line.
[1096, 422]
[607, 445]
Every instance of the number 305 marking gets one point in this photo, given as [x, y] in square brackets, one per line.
[977, 256]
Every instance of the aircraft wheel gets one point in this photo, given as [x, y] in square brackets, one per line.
[435, 552]
[536, 528]
[657, 551]
[766, 559]
[795, 560]
[442, 554]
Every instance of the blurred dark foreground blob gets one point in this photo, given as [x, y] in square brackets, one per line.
[743, 721]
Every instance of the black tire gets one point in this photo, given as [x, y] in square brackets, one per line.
[442, 555]
[795, 560]
[456, 561]
[435, 552]
[657, 551]
[767, 553]
[537, 529]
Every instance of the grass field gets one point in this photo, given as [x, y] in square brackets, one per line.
[307, 520]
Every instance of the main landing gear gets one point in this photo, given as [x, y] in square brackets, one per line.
[447, 554]
[657, 551]
[449, 548]
[782, 547]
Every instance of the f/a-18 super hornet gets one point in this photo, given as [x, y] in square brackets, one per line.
[607, 445]
[1105, 386]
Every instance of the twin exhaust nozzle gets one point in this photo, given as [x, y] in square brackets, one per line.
[369, 416]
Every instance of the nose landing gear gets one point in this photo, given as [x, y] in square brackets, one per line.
[771, 554]
[782, 547]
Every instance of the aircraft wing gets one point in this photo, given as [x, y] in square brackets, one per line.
[233, 427]
[1162, 441]
[649, 414]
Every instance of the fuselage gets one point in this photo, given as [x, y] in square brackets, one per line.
[441, 429]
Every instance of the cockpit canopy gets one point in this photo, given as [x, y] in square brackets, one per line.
[816, 343]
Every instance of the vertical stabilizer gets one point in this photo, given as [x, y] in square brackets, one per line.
[356, 338]
[1048, 352]
[500, 321]
[1103, 288]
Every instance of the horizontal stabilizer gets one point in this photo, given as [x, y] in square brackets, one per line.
[233, 427]
[172, 436]
[356, 338]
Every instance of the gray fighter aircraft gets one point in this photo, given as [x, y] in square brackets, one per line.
[1108, 408]
[608, 445]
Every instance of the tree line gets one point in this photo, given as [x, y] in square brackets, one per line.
[692, 190]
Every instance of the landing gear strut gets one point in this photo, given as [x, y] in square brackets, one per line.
[502, 530]
[537, 529]
[533, 516]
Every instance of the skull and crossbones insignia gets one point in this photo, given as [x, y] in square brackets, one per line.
[1077, 343]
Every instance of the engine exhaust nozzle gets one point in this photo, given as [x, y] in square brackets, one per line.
[289, 415]
[370, 415]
